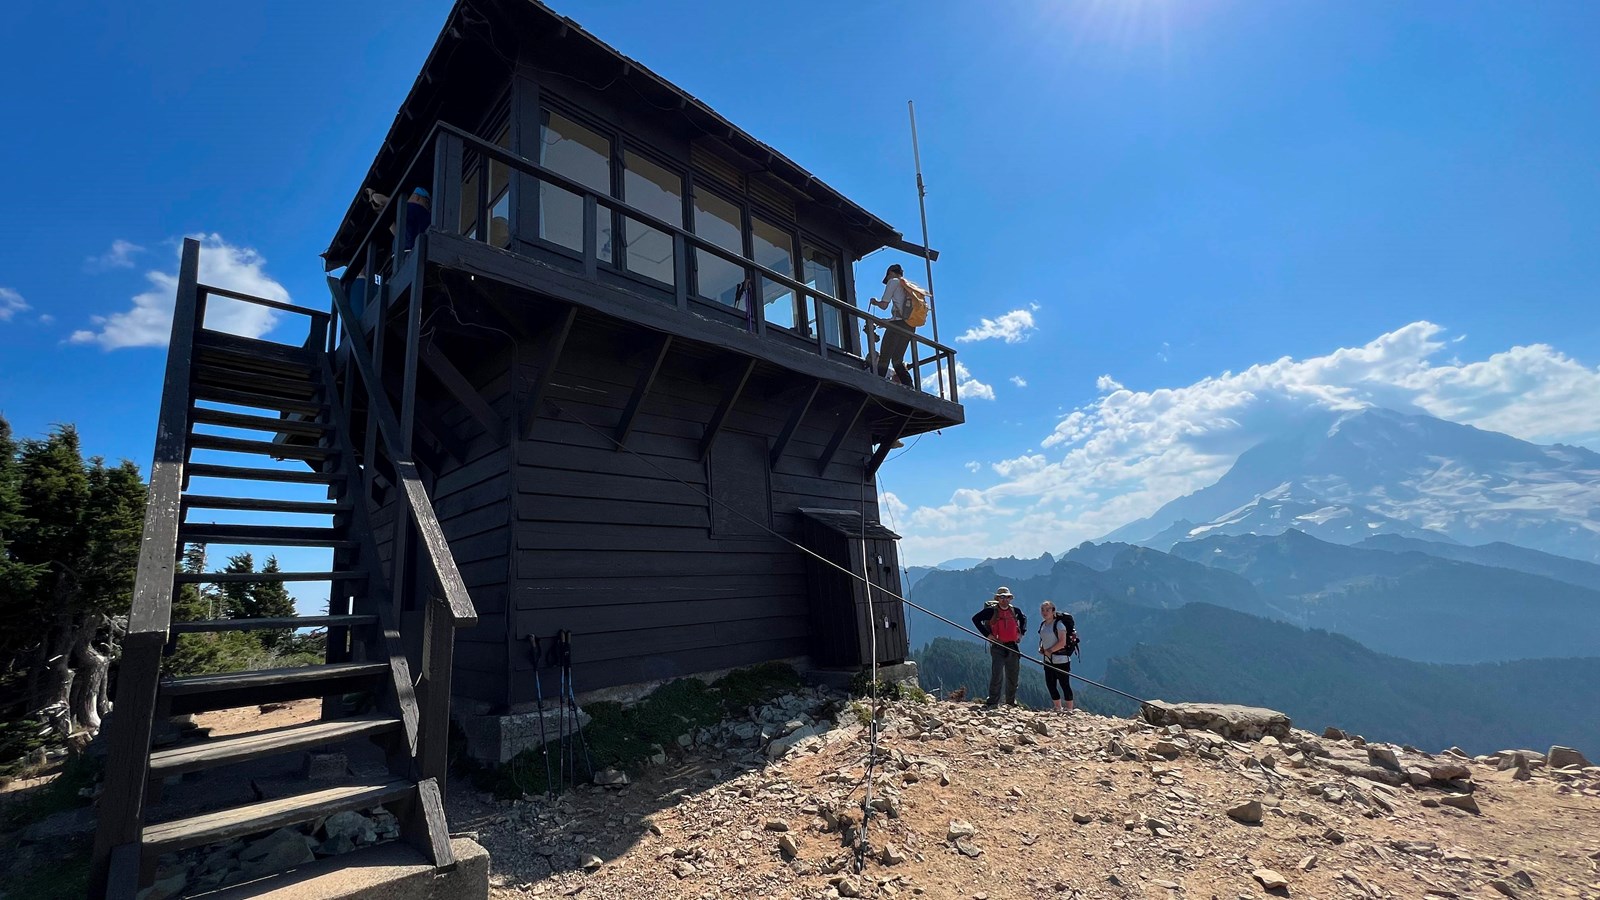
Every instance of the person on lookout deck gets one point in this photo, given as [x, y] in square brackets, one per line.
[1004, 625]
[897, 335]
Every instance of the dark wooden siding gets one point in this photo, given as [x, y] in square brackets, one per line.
[625, 551]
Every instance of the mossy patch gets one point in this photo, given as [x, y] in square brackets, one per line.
[625, 737]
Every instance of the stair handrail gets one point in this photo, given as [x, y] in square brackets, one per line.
[420, 506]
[150, 618]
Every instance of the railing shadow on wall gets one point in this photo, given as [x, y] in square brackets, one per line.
[447, 147]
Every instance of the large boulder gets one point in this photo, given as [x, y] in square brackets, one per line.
[1239, 723]
[1563, 757]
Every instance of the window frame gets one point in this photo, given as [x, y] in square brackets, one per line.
[742, 207]
[624, 146]
[551, 104]
[851, 344]
[756, 209]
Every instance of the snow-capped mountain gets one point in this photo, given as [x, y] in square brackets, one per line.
[1378, 471]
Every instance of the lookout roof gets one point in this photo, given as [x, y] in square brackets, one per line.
[485, 25]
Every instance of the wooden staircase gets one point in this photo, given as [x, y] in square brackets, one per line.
[288, 427]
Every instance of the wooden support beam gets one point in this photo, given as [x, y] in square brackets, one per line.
[459, 387]
[795, 418]
[847, 420]
[555, 342]
[641, 388]
[720, 417]
[882, 453]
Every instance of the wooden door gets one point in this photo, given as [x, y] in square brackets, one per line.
[884, 618]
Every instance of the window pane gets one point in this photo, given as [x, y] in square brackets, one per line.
[657, 191]
[773, 248]
[585, 157]
[821, 271]
[718, 221]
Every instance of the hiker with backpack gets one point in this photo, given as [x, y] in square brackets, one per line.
[1058, 640]
[1004, 625]
[908, 309]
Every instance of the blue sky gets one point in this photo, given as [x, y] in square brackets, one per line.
[1191, 218]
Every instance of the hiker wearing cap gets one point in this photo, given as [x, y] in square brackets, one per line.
[897, 294]
[1004, 625]
[1057, 637]
[419, 212]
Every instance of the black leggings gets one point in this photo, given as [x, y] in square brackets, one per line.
[1056, 680]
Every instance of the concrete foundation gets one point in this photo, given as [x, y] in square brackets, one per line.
[392, 871]
[497, 739]
[840, 679]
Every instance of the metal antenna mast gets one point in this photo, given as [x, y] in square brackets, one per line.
[922, 206]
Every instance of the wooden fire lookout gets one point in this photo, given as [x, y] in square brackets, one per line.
[624, 357]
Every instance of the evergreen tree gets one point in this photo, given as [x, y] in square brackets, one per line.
[208, 652]
[76, 526]
[271, 598]
[238, 600]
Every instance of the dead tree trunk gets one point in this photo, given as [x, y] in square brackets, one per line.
[90, 668]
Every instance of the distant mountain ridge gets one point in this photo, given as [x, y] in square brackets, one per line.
[1409, 604]
[1348, 477]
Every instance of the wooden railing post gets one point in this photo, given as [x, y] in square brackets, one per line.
[591, 235]
[447, 169]
[150, 618]
[680, 271]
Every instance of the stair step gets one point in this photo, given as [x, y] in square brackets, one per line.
[201, 415]
[237, 397]
[260, 623]
[266, 535]
[265, 448]
[290, 363]
[253, 577]
[269, 815]
[264, 504]
[298, 476]
[240, 748]
[223, 376]
[227, 690]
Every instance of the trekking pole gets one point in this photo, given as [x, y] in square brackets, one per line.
[538, 693]
[561, 730]
[563, 655]
[572, 697]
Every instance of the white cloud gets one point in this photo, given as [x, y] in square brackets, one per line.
[1127, 452]
[120, 256]
[973, 465]
[11, 303]
[1165, 353]
[1019, 381]
[1014, 327]
[148, 323]
[970, 388]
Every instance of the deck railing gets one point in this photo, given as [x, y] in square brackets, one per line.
[931, 363]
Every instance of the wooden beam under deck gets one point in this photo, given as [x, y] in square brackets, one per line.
[459, 387]
[641, 389]
[720, 417]
[795, 418]
[843, 431]
[555, 342]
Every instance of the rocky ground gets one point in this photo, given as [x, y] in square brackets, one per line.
[1000, 805]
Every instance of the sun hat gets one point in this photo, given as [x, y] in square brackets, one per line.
[1002, 592]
